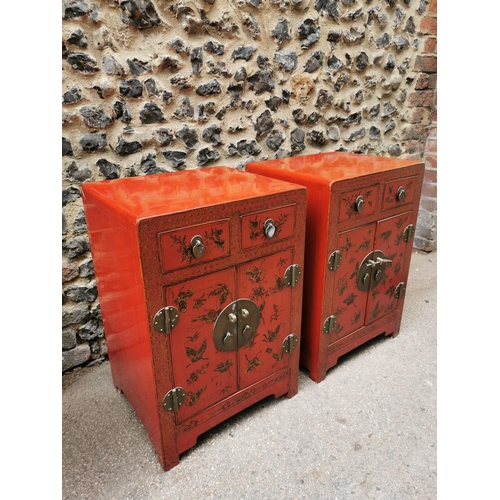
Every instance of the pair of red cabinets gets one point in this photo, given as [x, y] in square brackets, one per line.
[214, 283]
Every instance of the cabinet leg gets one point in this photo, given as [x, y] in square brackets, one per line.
[317, 375]
[395, 330]
[169, 462]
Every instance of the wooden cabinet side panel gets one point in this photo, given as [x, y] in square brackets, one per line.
[115, 254]
[315, 269]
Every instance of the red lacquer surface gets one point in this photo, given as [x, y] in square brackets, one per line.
[334, 181]
[349, 303]
[207, 374]
[139, 230]
[389, 239]
[261, 281]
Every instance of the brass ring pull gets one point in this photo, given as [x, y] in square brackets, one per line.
[269, 228]
[401, 194]
[359, 204]
[197, 246]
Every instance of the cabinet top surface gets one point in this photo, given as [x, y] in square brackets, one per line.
[157, 194]
[334, 166]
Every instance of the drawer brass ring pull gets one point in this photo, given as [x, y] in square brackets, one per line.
[269, 228]
[197, 246]
[359, 204]
[401, 194]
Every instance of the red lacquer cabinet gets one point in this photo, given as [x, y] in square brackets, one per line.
[199, 275]
[361, 216]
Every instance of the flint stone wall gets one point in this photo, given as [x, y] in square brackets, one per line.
[159, 86]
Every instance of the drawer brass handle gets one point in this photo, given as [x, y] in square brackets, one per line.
[401, 194]
[359, 204]
[197, 246]
[269, 228]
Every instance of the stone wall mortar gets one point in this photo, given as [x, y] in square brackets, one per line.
[152, 86]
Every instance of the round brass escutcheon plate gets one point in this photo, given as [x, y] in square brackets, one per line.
[236, 325]
[372, 270]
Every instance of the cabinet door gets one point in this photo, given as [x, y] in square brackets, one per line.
[349, 302]
[389, 239]
[207, 374]
[262, 281]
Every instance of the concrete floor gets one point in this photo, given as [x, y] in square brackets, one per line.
[368, 431]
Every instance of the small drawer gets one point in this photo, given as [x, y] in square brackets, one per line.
[267, 226]
[194, 244]
[399, 192]
[358, 203]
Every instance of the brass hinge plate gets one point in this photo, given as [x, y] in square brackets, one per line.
[334, 260]
[329, 324]
[166, 319]
[289, 344]
[292, 275]
[173, 399]
[400, 290]
[408, 233]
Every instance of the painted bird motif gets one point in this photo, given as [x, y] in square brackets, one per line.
[280, 284]
[197, 354]
[222, 291]
[350, 299]
[252, 363]
[182, 299]
[272, 334]
[193, 338]
[194, 396]
[210, 317]
[254, 274]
